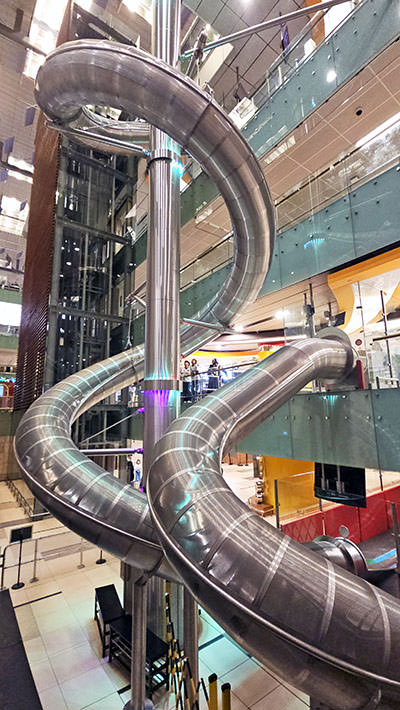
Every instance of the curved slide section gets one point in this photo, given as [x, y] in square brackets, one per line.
[78, 491]
[335, 635]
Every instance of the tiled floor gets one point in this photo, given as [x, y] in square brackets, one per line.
[55, 616]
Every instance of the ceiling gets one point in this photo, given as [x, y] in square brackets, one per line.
[252, 55]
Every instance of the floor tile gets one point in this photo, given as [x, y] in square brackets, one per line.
[73, 662]
[57, 620]
[280, 699]
[222, 656]
[35, 650]
[52, 699]
[92, 687]
[49, 605]
[63, 639]
[112, 702]
[249, 682]
[43, 675]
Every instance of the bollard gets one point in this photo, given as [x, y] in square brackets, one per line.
[226, 696]
[213, 692]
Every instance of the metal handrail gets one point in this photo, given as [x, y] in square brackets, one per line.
[77, 547]
[21, 500]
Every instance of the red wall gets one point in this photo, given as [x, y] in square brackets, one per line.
[363, 523]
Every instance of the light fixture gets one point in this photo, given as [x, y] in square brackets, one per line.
[382, 127]
[238, 328]
[281, 314]
[131, 4]
[43, 33]
[10, 313]
[331, 75]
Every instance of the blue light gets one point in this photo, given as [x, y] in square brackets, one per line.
[314, 241]
[177, 165]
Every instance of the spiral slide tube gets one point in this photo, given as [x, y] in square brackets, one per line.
[334, 634]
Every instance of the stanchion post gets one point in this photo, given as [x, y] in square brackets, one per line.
[226, 696]
[213, 692]
[81, 565]
[34, 577]
[101, 559]
[18, 584]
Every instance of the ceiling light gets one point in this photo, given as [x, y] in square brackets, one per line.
[282, 313]
[45, 26]
[382, 127]
[131, 4]
[331, 75]
[10, 313]
[238, 328]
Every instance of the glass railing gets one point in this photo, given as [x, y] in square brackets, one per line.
[298, 51]
[371, 156]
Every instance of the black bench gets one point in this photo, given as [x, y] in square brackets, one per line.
[107, 608]
[17, 687]
[156, 653]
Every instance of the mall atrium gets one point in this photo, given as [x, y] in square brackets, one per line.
[200, 354]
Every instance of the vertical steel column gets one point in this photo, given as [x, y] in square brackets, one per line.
[191, 634]
[161, 383]
[138, 660]
[161, 396]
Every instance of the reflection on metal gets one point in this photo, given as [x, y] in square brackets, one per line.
[97, 141]
[331, 632]
[262, 26]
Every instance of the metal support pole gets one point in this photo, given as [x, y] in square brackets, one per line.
[384, 316]
[138, 662]
[276, 492]
[35, 556]
[191, 633]
[396, 534]
[275, 22]
[81, 565]
[161, 396]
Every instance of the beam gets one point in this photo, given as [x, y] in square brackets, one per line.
[275, 22]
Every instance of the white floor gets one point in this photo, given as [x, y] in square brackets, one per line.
[55, 616]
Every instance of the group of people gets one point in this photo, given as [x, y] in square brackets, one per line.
[192, 380]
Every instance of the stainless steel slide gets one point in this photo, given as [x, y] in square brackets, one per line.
[334, 635]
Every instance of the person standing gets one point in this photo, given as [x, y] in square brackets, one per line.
[213, 375]
[138, 471]
[196, 380]
[129, 466]
[186, 381]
